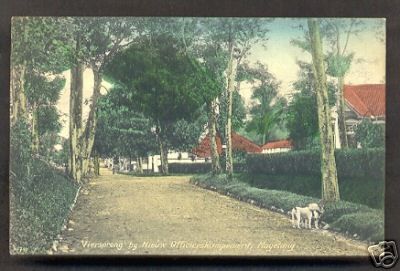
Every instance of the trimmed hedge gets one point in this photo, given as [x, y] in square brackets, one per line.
[191, 168]
[343, 216]
[367, 191]
[353, 163]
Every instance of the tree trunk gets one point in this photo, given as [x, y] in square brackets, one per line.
[35, 131]
[330, 188]
[96, 165]
[87, 138]
[140, 165]
[228, 125]
[212, 132]
[18, 98]
[75, 121]
[341, 115]
[18, 72]
[163, 156]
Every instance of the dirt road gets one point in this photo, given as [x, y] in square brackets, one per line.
[120, 214]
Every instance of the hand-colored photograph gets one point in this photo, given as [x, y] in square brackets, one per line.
[197, 136]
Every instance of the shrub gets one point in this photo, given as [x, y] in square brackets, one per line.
[350, 163]
[368, 225]
[360, 173]
[365, 191]
[193, 168]
[38, 208]
[343, 216]
[189, 168]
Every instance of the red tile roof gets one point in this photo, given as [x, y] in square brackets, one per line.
[204, 148]
[238, 143]
[278, 144]
[243, 144]
[366, 100]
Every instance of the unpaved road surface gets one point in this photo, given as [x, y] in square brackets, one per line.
[120, 214]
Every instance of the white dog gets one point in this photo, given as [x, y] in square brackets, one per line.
[304, 215]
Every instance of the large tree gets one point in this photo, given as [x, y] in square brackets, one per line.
[162, 82]
[330, 187]
[235, 36]
[96, 41]
[337, 33]
[121, 130]
[42, 93]
[38, 46]
[267, 108]
[302, 113]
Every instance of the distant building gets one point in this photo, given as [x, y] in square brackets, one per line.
[239, 143]
[361, 102]
[277, 146]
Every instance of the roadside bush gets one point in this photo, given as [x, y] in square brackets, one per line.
[369, 225]
[365, 191]
[360, 173]
[40, 197]
[343, 216]
[189, 168]
[350, 163]
[194, 168]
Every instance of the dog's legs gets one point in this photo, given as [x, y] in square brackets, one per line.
[293, 217]
[316, 224]
[309, 220]
[298, 214]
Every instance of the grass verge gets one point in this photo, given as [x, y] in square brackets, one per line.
[345, 217]
[38, 208]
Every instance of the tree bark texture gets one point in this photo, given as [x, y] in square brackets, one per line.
[18, 98]
[75, 122]
[341, 114]
[228, 125]
[330, 188]
[35, 131]
[87, 139]
[212, 127]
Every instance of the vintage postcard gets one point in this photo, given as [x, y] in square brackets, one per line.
[198, 136]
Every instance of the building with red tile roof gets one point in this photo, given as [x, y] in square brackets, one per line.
[239, 143]
[361, 101]
[366, 100]
[282, 145]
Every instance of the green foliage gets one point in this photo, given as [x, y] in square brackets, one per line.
[343, 216]
[189, 168]
[167, 87]
[38, 208]
[350, 163]
[20, 150]
[338, 65]
[302, 121]
[368, 225]
[184, 135]
[238, 113]
[302, 114]
[367, 190]
[40, 197]
[41, 90]
[121, 130]
[157, 81]
[40, 43]
[370, 135]
[195, 168]
[61, 156]
[267, 109]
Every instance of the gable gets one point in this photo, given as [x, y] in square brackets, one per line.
[366, 100]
